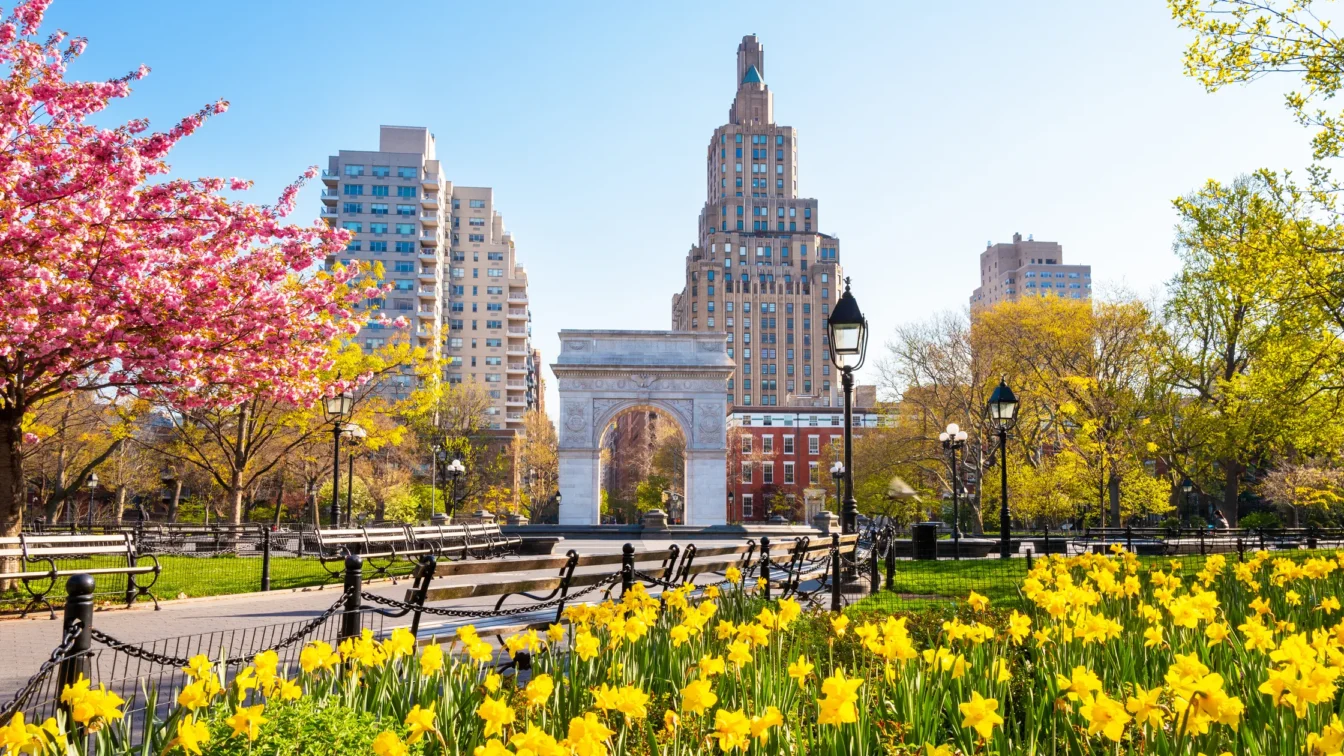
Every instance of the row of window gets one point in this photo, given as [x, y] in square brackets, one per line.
[772, 400]
[383, 171]
[403, 229]
[1046, 274]
[476, 272]
[377, 208]
[379, 190]
[379, 247]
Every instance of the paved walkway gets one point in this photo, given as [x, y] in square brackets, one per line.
[26, 643]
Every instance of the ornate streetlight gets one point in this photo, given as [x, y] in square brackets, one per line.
[1001, 412]
[954, 439]
[337, 409]
[849, 343]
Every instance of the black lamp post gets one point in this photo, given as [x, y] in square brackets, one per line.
[1001, 412]
[838, 475]
[93, 502]
[436, 457]
[849, 342]
[1187, 488]
[354, 435]
[954, 440]
[454, 471]
[337, 408]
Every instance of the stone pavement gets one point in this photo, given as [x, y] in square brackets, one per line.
[26, 643]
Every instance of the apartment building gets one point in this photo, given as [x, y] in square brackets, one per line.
[394, 202]
[1028, 268]
[761, 270]
[452, 265]
[780, 458]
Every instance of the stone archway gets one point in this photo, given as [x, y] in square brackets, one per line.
[603, 373]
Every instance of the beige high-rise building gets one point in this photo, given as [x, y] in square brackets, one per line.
[1028, 268]
[489, 320]
[394, 201]
[453, 267]
[762, 271]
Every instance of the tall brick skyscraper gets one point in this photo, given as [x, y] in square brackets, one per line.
[762, 271]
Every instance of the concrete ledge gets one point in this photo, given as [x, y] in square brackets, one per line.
[537, 545]
[671, 532]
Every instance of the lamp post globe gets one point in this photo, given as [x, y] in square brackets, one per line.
[93, 487]
[953, 439]
[1001, 414]
[1187, 488]
[848, 331]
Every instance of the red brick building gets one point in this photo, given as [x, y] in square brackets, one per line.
[779, 459]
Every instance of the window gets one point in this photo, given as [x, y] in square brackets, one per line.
[476, 238]
[354, 190]
[788, 444]
[404, 247]
[788, 473]
[403, 266]
[377, 246]
[378, 228]
[410, 172]
[477, 203]
[378, 190]
[405, 191]
[494, 290]
[476, 221]
[814, 445]
[746, 441]
[378, 208]
[494, 324]
[354, 170]
[381, 171]
[495, 272]
[405, 229]
[494, 342]
[746, 472]
[352, 207]
[353, 226]
[748, 510]
[768, 474]
[405, 209]
[812, 473]
[768, 443]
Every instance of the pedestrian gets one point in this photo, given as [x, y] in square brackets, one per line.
[1219, 521]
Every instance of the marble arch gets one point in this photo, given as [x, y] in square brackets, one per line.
[603, 373]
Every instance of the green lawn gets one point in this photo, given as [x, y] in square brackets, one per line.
[192, 577]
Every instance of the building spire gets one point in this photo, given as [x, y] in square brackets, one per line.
[750, 59]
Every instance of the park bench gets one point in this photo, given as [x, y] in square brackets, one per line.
[446, 541]
[590, 578]
[20, 556]
[489, 536]
[380, 547]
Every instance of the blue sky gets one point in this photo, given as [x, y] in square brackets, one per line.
[925, 129]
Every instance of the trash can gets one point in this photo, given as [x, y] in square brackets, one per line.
[925, 540]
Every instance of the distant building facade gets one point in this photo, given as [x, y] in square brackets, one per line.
[1028, 268]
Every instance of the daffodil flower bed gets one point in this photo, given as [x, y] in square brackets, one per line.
[1110, 657]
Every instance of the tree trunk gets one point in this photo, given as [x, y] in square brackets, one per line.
[121, 504]
[177, 500]
[235, 499]
[11, 478]
[1228, 507]
[1113, 488]
[279, 499]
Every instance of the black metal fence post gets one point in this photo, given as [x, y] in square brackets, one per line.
[1311, 537]
[891, 558]
[835, 572]
[872, 566]
[1029, 550]
[78, 608]
[424, 576]
[1241, 550]
[1129, 538]
[765, 564]
[1202, 549]
[354, 585]
[1262, 540]
[265, 557]
[627, 567]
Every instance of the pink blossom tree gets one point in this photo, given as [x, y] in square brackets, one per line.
[115, 279]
